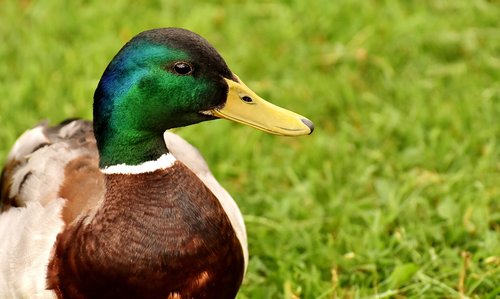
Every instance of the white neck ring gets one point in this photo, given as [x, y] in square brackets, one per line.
[165, 161]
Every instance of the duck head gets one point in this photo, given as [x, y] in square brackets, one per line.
[171, 77]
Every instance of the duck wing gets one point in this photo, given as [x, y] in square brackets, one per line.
[36, 200]
[47, 163]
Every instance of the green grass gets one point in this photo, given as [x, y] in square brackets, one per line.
[398, 185]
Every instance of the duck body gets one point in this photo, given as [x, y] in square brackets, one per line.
[177, 238]
[118, 208]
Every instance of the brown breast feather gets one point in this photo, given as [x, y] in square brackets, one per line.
[156, 235]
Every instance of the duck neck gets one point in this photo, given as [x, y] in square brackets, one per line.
[129, 147]
[122, 134]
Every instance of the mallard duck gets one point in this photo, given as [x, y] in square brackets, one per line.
[119, 208]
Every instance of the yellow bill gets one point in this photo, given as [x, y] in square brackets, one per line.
[246, 107]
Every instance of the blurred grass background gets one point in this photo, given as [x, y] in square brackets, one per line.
[397, 192]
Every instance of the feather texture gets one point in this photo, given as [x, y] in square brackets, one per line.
[51, 181]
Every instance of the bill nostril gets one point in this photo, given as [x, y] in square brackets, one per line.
[247, 99]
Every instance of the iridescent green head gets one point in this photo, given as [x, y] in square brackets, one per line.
[166, 78]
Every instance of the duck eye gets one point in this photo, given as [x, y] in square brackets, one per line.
[182, 68]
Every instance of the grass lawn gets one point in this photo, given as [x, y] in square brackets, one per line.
[397, 192]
